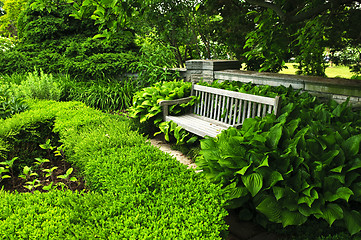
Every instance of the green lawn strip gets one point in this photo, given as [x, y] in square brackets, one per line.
[136, 191]
[331, 72]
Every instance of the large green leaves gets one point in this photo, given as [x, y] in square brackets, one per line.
[146, 102]
[352, 221]
[352, 145]
[332, 212]
[275, 134]
[292, 218]
[306, 163]
[253, 183]
[271, 209]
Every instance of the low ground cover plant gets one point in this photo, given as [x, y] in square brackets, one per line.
[135, 190]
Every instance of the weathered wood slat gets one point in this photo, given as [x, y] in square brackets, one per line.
[259, 108]
[245, 105]
[239, 119]
[234, 118]
[219, 109]
[196, 124]
[264, 110]
[245, 96]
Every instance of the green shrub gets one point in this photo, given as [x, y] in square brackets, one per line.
[10, 102]
[41, 86]
[136, 191]
[145, 108]
[58, 43]
[107, 96]
[304, 164]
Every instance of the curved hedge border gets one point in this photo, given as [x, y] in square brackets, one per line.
[137, 191]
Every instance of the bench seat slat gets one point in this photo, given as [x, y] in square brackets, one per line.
[198, 125]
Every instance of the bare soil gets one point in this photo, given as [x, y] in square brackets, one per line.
[17, 184]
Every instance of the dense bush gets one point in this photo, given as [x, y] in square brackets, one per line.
[137, 191]
[304, 164]
[8, 21]
[155, 62]
[58, 43]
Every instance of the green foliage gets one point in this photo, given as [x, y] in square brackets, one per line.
[146, 108]
[137, 191]
[10, 102]
[232, 27]
[154, 62]
[8, 22]
[171, 129]
[41, 86]
[112, 95]
[305, 163]
[349, 57]
[185, 27]
[311, 60]
[6, 44]
[58, 43]
[267, 45]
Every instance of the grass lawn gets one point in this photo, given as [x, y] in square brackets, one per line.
[332, 72]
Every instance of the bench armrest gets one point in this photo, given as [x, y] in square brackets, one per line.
[166, 103]
[175, 101]
[238, 125]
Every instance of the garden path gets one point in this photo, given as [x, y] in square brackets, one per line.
[160, 143]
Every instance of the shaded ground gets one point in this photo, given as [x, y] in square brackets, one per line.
[40, 179]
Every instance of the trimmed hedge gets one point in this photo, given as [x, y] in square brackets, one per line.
[136, 191]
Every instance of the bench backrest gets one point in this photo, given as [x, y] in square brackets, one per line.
[231, 107]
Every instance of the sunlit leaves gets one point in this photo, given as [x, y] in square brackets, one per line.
[292, 218]
[146, 101]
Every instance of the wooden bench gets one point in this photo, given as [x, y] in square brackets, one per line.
[219, 109]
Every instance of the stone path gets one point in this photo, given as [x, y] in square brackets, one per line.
[165, 147]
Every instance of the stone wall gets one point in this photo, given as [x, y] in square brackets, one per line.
[338, 89]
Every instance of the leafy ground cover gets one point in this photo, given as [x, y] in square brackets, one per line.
[135, 190]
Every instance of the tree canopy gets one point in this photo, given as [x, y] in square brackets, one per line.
[281, 29]
[262, 34]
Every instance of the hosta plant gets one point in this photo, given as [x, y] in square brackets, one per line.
[171, 129]
[146, 107]
[304, 164]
